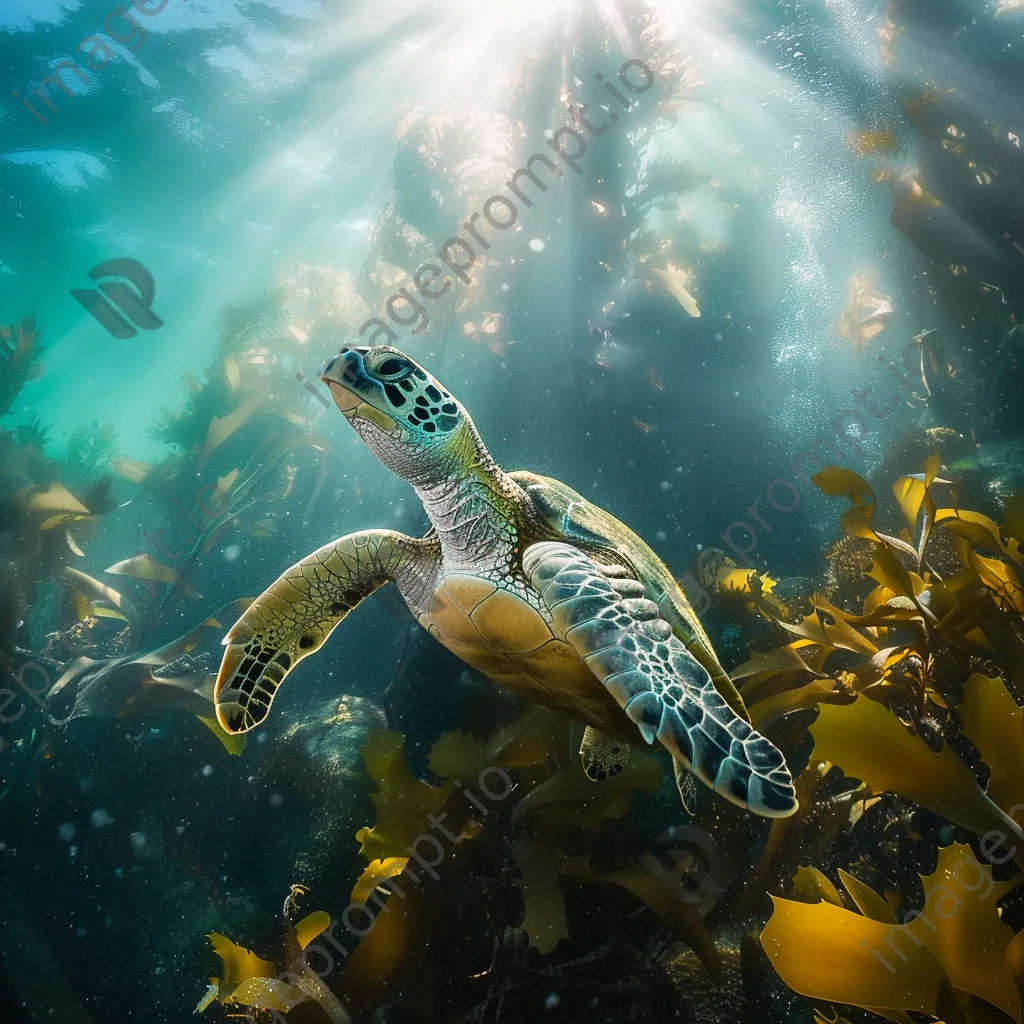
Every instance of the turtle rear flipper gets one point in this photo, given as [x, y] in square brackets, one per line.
[296, 614]
[603, 756]
[660, 685]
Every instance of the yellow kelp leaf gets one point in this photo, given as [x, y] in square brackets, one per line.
[311, 926]
[764, 665]
[62, 520]
[1015, 963]
[736, 580]
[997, 575]
[995, 725]
[100, 591]
[960, 926]
[145, 567]
[910, 493]
[811, 886]
[961, 602]
[370, 969]
[224, 484]
[55, 498]
[570, 794]
[838, 482]
[842, 634]
[888, 570]
[858, 808]
[265, 994]
[81, 606]
[221, 429]
[375, 873]
[212, 991]
[868, 902]
[810, 628]
[867, 311]
[676, 281]
[534, 738]
[231, 374]
[73, 544]
[457, 755]
[544, 913]
[979, 530]
[856, 522]
[402, 802]
[233, 743]
[240, 963]
[764, 712]
[130, 469]
[868, 743]
[826, 952]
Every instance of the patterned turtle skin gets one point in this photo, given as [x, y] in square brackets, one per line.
[523, 579]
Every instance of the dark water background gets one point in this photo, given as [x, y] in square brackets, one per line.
[242, 143]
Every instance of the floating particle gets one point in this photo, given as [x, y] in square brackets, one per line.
[664, 485]
[551, 1002]
[80, 932]
[536, 244]
[718, 337]
[99, 818]
[138, 841]
[66, 832]
[207, 770]
[232, 551]
[661, 535]
[276, 800]
[119, 872]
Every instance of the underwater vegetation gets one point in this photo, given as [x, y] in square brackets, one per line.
[408, 843]
[904, 713]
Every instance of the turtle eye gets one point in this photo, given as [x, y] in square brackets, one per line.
[392, 369]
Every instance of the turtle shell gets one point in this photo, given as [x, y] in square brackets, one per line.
[567, 515]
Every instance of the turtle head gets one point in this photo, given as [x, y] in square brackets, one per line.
[405, 416]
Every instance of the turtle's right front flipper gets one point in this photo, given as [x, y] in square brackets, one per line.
[293, 617]
[662, 688]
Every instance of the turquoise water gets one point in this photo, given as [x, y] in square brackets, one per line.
[677, 255]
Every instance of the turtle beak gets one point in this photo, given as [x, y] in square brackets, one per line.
[343, 375]
[358, 395]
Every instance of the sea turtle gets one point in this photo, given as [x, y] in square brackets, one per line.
[522, 578]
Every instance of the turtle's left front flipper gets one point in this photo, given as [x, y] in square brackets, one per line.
[293, 617]
[622, 639]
